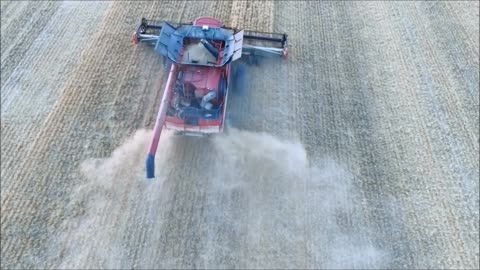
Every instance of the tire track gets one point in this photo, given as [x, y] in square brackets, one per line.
[466, 14]
[459, 73]
[17, 108]
[16, 42]
[40, 151]
[15, 197]
[398, 206]
[435, 125]
[10, 13]
[349, 111]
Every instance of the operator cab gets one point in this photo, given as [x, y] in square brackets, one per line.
[203, 51]
[205, 43]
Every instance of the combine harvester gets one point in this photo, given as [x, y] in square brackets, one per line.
[199, 57]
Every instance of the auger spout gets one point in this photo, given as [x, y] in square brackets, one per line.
[157, 130]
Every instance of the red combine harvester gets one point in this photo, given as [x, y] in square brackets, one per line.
[199, 57]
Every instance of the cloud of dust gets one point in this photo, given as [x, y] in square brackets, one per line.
[315, 201]
[99, 209]
[287, 210]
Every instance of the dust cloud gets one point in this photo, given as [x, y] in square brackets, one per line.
[266, 204]
[104, 205]
[302, 212]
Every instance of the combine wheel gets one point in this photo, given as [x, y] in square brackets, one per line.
[239, 79]
[254, 60]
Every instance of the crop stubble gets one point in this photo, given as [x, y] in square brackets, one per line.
[383, 96]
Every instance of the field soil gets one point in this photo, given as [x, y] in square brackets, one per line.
[360, 151]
